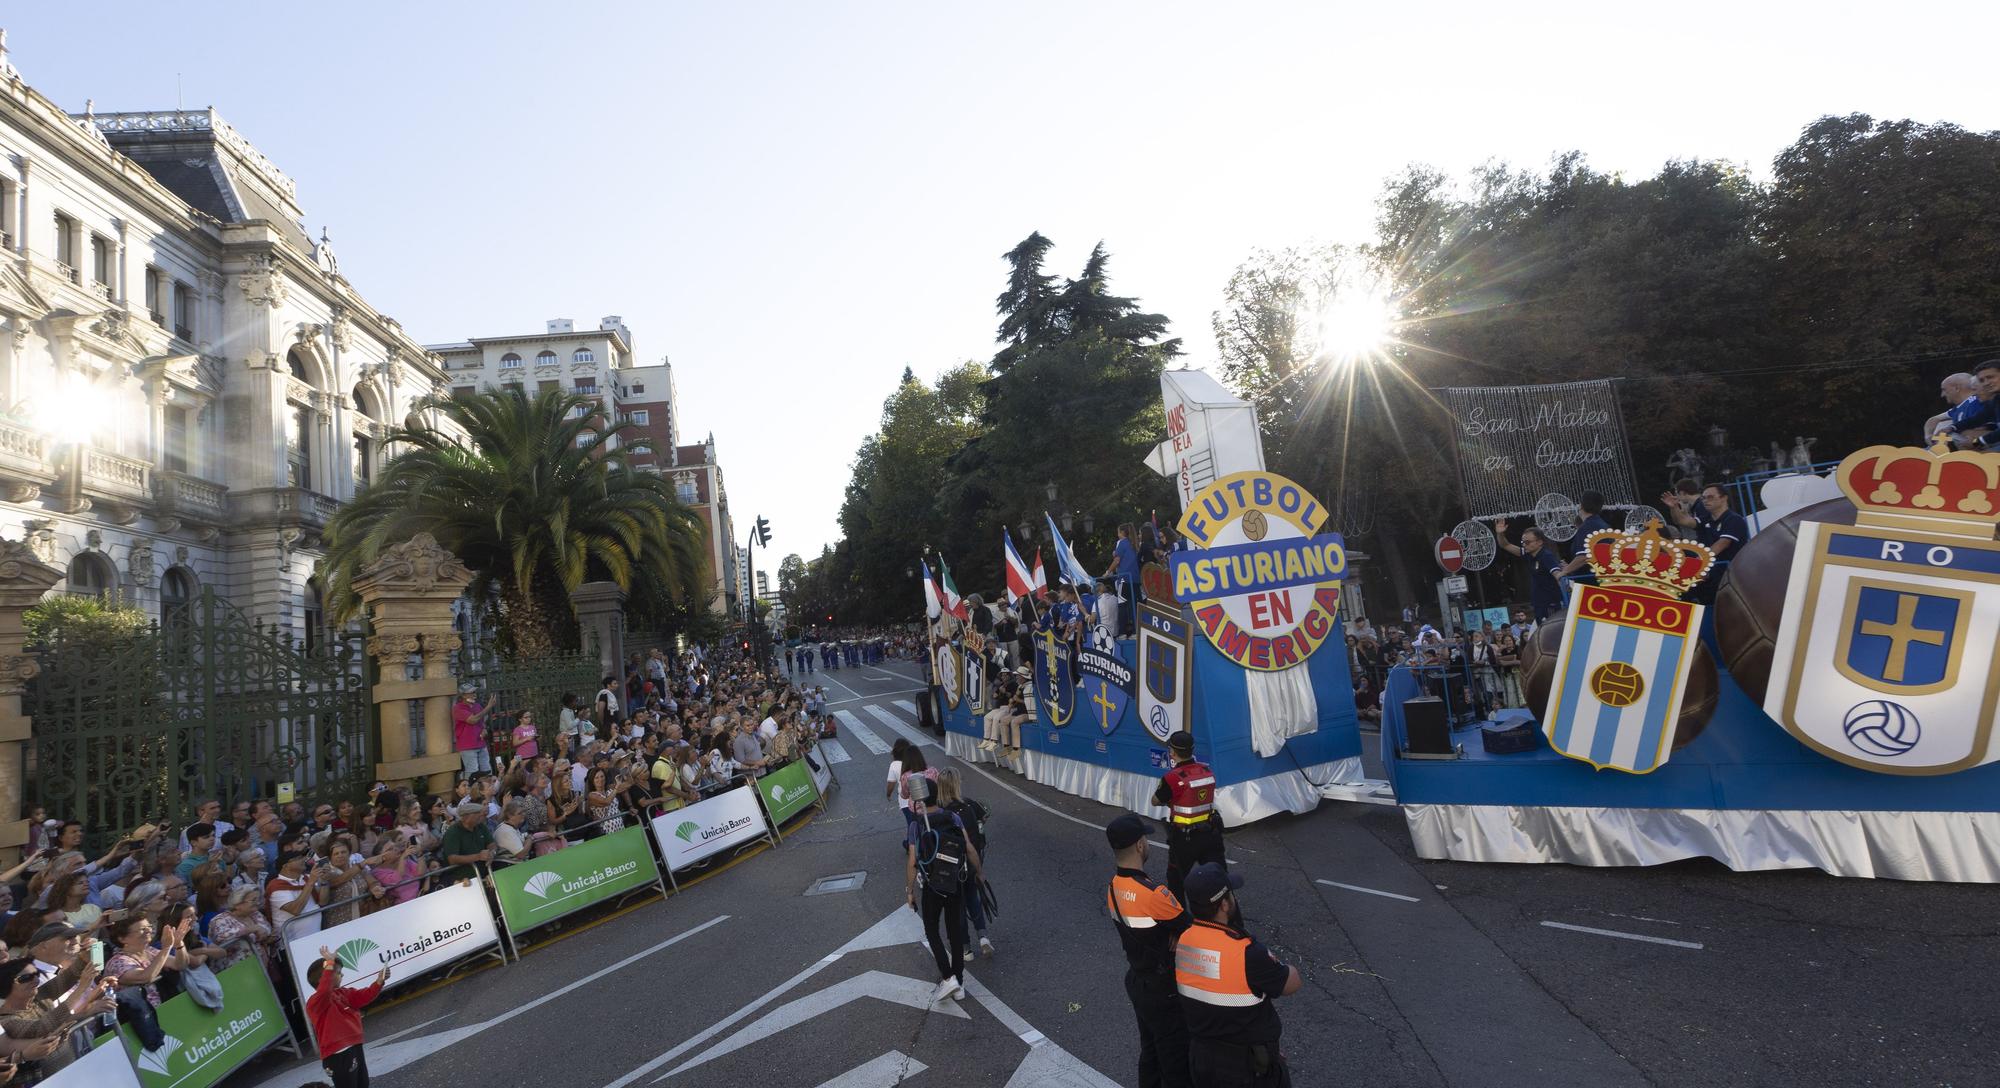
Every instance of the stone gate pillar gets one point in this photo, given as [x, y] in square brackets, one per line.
[23, 580]
[600, 613]
[409, 591]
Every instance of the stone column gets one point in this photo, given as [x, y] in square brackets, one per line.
[23, 580]
[408, 592]
[600, 613]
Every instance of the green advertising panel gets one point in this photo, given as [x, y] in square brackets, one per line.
[574, 877]
[787, 790]
[205, 1045]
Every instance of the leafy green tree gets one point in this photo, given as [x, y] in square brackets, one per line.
[538, 498]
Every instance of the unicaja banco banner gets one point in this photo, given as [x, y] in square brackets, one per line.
[787, 791]
[425, 933]
[203, 1045]
[574, 877]
[723, 822]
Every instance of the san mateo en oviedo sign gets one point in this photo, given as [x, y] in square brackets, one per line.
[573, 878]
[1262, 586]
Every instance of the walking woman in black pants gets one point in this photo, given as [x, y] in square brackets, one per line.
[942, 860]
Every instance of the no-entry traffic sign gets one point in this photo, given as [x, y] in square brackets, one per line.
[1450, 554]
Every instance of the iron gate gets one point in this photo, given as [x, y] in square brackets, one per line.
[142, 727]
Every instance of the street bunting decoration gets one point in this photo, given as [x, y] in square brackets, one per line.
[540, 891]
[1262, 587]
[1516, 442]
[1055, 679]
[205, 1045]
[722, 822]
[1166, 671]
[427, 932]
[1888, 653]
[1628, 646]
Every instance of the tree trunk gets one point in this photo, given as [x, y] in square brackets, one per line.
[533, 626]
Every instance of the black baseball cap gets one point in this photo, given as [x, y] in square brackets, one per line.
[1206, 884]
[1125, 830]
[1181, 741]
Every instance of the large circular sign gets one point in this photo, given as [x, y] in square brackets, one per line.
[1450, 554]
[1639, 517]
[1477, 541]
[1262, 587]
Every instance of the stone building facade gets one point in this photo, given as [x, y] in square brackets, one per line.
[188, 384]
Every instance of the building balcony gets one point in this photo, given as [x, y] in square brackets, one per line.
[281, 506]
[25, 468]
[112, 483]
[70, 272]
[188, 498]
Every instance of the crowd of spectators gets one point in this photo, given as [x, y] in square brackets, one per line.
[243, 879]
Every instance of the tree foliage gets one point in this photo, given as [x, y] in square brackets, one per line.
[539, 498]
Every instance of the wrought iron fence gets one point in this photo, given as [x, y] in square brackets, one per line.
[512, 686]
[142, 726]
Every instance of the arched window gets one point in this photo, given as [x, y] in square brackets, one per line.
[546, 358]
[510, 359]
[583, 355]
[295, 363]
[92, 575]
[177, 599]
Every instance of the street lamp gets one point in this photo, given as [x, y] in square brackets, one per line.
[1027, 531]
[1069, 523]
[1089, 524]
[1050, 489]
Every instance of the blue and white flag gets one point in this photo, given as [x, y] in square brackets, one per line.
[1067, 566]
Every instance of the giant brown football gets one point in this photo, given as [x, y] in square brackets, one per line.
[1538, 671]
[1751, 602]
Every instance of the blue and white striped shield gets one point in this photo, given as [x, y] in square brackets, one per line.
[1620, 676]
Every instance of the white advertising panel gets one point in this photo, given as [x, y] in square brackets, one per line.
[410, 938]
[727, 820]
[104, 1067]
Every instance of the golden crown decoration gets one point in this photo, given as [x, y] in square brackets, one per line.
[1645, 560]
[1956, 492]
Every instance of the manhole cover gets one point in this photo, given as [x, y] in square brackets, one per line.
[844, 882]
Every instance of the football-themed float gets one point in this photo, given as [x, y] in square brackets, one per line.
[1835, 709]
[1239, 642]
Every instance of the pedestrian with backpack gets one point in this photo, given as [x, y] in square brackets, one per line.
[972, 816]
[942, 860]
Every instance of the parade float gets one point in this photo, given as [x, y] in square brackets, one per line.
[1239, 642]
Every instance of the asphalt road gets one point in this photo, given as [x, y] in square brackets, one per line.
[1418, 972]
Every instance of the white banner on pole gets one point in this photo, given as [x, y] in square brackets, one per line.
[822, 772]
[105, 1066]
[410, 938]
[687, 835]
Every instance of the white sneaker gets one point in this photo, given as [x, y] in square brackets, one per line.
[968, 955]
[944, 990]
[986, 746]
[957, 989]
[985, 949]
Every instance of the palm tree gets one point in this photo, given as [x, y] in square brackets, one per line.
[536, 499]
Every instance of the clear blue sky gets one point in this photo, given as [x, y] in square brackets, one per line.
[794, 201]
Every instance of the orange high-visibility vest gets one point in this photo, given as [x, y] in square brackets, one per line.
[1208, 966]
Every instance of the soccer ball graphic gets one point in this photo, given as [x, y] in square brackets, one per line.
[1617, 684]
[1882, 728]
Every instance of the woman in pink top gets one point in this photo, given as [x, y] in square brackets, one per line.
[527, 743]
[396, 865]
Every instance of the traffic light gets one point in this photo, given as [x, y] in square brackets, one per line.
[763, 533]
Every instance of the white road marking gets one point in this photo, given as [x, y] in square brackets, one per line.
[895, 1067]
[879, 675]
[1369, 891]
[861, 732]
[388, 1059]
[871, 698]
[834, 752]
[395, 1035]
[1625, 936]
[895, 723]
[899, 989]
[1642, 918]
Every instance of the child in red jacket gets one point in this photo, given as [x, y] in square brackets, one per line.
[336, 1020]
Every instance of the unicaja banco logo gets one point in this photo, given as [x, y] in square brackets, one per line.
[686, 831]
[350, 953]
[539, 884]
[155, 1060]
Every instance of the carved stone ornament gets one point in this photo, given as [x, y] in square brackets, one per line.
[112, 325]
[342, 330]
[439, 643]
[22, 558]
[210, 281]
[288, 538]
[15, 491]
[181, 556]
[18, 670]
[419, 563]
[94, 540]
[140, 562]
[262, 283]
[387, 648]
[40, 540]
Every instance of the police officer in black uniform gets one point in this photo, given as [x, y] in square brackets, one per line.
[1148, 918]
[1194, 831]
[1227, 981]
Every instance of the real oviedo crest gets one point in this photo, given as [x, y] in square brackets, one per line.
[1260, 585]
[1888, 654]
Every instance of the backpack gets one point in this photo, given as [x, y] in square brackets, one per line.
[973, 815]
[941, 857]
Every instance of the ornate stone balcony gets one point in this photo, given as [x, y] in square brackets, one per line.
[286, 507]
[186, 498]
[88, 478]
[25, 468]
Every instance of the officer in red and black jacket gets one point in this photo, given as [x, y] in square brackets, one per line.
[1194, 831]
[1149, 919]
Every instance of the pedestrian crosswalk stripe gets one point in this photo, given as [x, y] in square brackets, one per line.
[860, 732]
[909, 734]
[834, 752]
